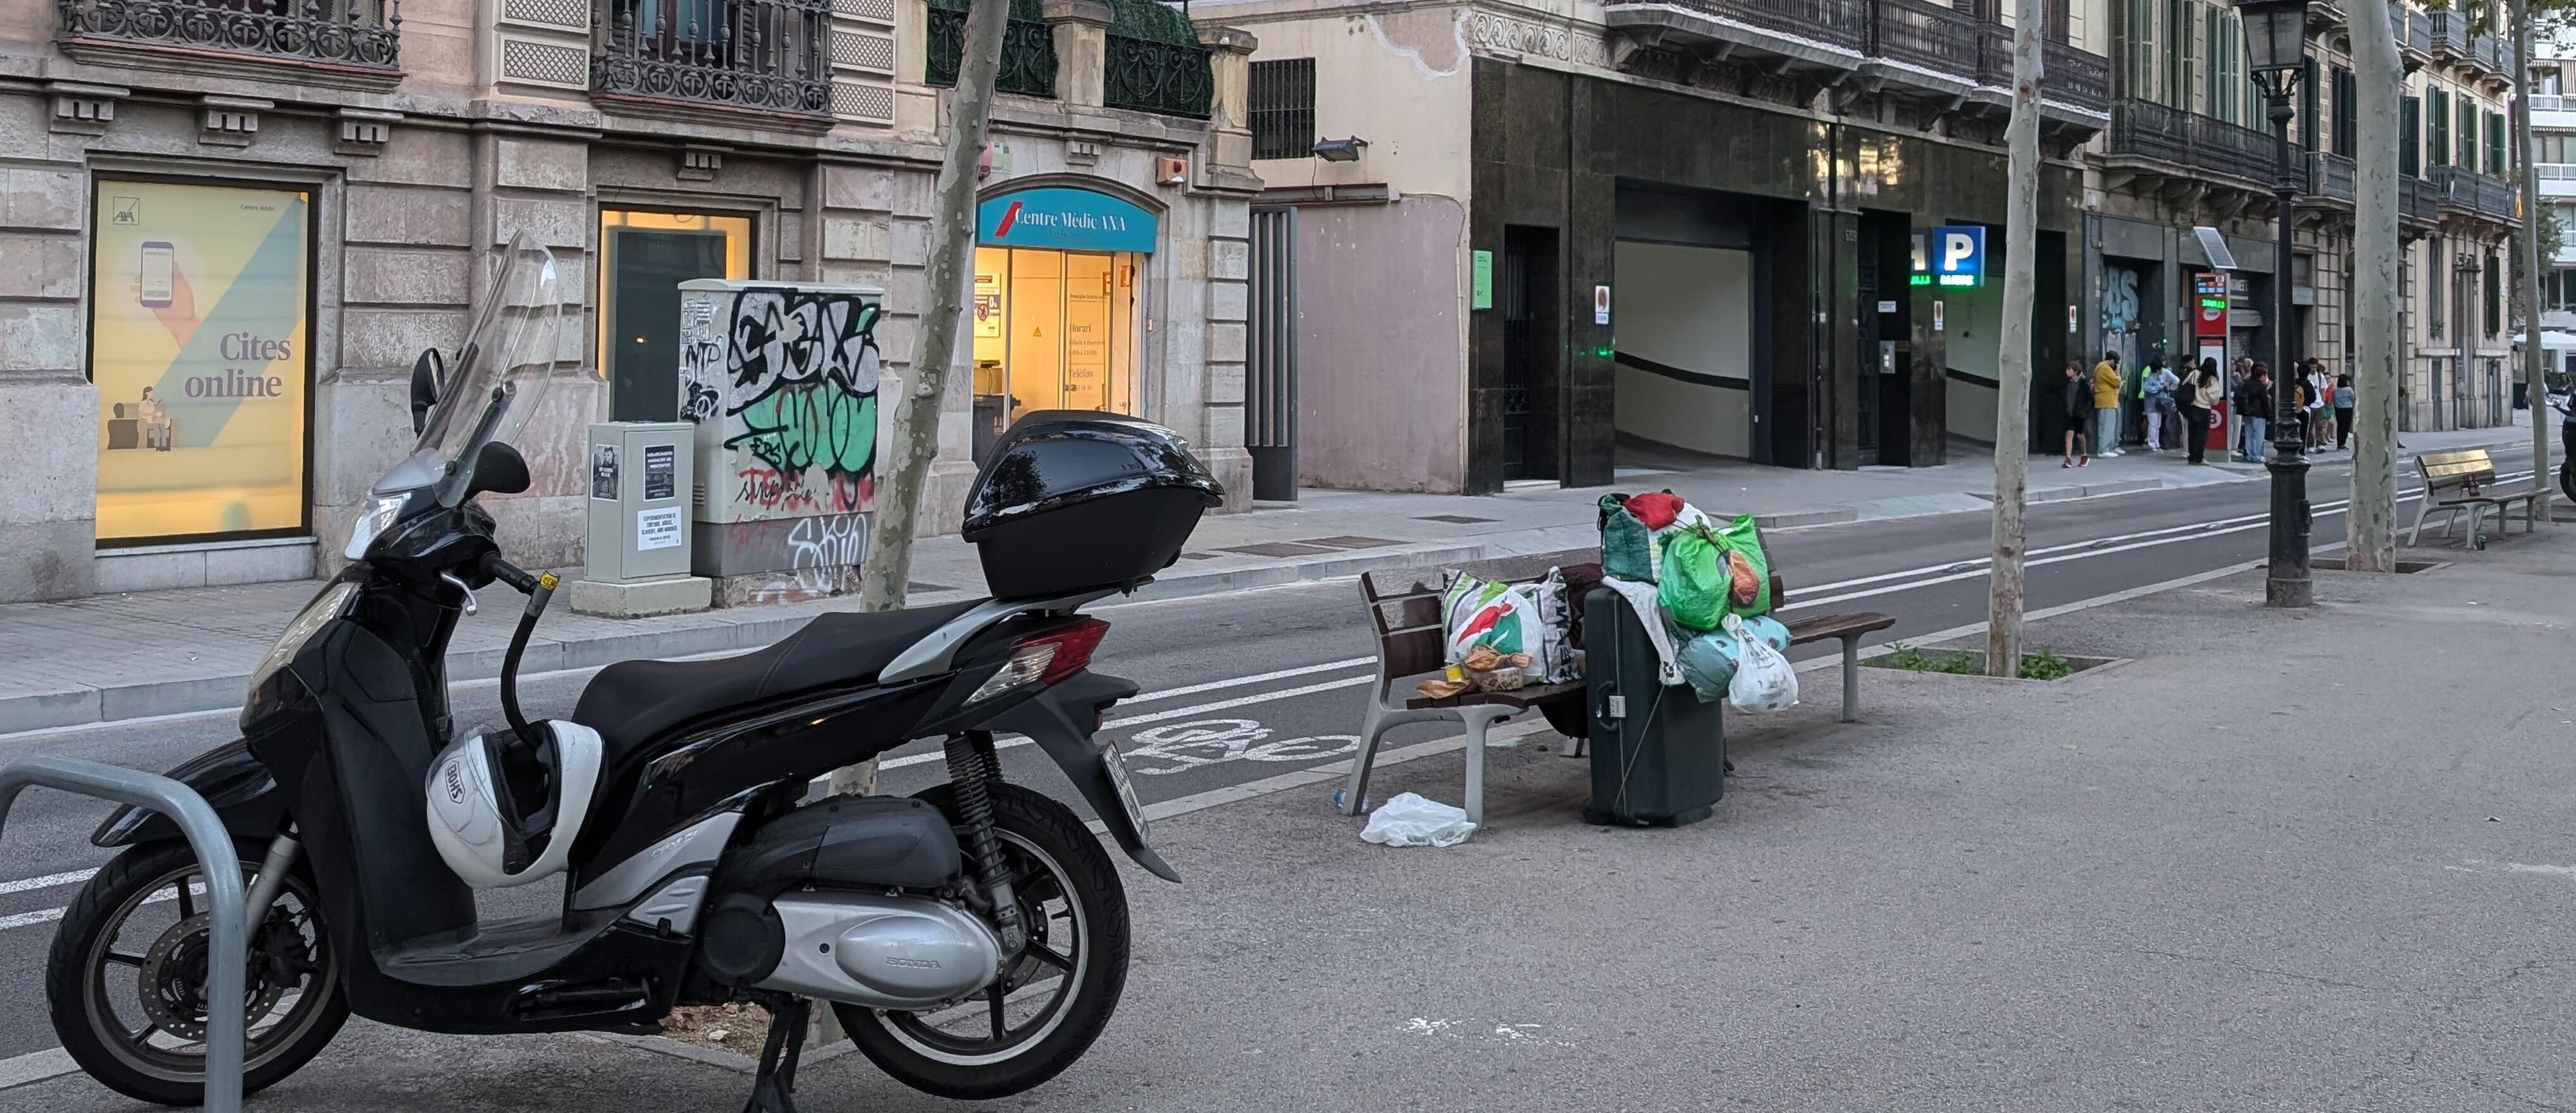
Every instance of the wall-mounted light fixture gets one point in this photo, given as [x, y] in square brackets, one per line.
[1340, 150]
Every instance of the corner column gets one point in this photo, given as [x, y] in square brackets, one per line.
[1081, 29]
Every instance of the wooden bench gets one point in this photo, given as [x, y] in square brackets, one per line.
[1412, 646]
[2465, 480]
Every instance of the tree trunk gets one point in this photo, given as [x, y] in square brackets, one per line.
[2372, 518]
[905, 466]
[2533, 258]
[2012, 364]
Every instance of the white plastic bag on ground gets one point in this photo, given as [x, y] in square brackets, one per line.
[1763, 679]
[1410, 820]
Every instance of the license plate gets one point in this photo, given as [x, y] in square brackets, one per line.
[1116, 766]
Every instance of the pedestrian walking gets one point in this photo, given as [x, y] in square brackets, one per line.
[2253, 403]
[2156, 392]
[2320, 400]
[2078, 412]
[2200, 394]
[2344, 397]
[2106, 405]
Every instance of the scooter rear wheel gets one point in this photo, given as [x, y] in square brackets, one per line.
[128, 967]
[1052, 1000]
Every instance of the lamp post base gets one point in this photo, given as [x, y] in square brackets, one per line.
[2286, 579]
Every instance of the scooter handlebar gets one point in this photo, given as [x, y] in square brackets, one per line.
[508, 573]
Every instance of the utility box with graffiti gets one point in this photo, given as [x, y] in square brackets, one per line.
[780, 380]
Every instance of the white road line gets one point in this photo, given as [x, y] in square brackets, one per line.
[46, 882]
[1237, 682]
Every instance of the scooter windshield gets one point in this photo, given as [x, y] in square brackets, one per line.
[493, 387]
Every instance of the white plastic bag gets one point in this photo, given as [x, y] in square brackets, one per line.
[1410, 820]
[1763, 679]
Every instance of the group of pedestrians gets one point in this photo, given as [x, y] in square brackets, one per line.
[2183, 397]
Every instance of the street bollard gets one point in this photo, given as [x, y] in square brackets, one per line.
[228, 937]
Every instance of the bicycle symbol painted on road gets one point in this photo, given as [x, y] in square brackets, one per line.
[1214, 741]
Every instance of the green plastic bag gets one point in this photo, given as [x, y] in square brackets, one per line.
[1627, 547]
[1743, 542]
[1694, 588]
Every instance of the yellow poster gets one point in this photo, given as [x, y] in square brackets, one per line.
[199, 351]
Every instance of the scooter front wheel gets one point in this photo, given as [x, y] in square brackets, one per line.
[125, 980]
[1052, 1000]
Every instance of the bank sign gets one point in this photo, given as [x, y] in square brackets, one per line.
[1065, 220]
[1950, 255]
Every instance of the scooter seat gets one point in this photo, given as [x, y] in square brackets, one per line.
[631, 701]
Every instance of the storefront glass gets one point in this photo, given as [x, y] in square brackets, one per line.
[1056, 305]
[644, 256]
[199, 298]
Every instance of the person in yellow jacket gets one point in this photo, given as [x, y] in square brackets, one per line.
[2106, 405]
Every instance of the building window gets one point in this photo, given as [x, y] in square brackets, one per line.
[644, 256]
[2433, 285]
[1059, 278]
[2495, 143]
[2495, 296]
[2410, 132]
[1282, 108]
[2183, 33]
[198, 348]
[2468, 134]
[2309, 99]
[2439, 127]
[2346, 123]
[2223, 60]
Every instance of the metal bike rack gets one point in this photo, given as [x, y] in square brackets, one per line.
[228, 941]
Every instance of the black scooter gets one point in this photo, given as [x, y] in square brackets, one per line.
[973, 939]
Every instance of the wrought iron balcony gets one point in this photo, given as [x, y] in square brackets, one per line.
[1824, 36]
[2326, 13]
[2077, 76]
[2146, 130]
[2490, 56]
[363, 35]
[2418, 28]
[1028, 50]
[2417, 199]
[2450, 34]
[2330, 177]
[2471, 192]
[1926, 36]
[1147, 75]
[757, 55]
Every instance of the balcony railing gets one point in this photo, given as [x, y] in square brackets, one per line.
[2492, 55]
[1028, 51]
[2470, 191]
[1145, 75]
[2418, 25]
[2146, 129]
[2330, 177]
[762, 55]
[364, 33]
[2417, 198]
[1830, 22]
[2450, 33]
[1919, 33]
[2076, 76]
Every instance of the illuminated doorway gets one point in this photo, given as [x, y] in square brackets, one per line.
[1054, 330]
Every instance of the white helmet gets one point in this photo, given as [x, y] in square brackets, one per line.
[502, 814]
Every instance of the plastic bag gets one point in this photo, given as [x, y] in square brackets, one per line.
[1748, 568]
[1500, 616]
[1709, 660]
[1763, 679]
[1627, 546]
[1410, 820]
[1555, 652]
[1694, 589]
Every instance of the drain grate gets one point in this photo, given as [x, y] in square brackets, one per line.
[1346, 541]
[1454, 519]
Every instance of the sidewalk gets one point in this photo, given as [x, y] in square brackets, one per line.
[115, 657]
[2321, 863]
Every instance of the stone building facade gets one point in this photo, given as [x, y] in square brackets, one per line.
[267, 210]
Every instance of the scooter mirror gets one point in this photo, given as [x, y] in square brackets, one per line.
[499, 469]
[425, 374]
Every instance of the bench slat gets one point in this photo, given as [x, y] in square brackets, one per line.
[1414, 651]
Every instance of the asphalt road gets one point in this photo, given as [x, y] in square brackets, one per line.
[1242, 687]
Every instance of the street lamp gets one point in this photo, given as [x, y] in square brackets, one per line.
[2276, 46]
